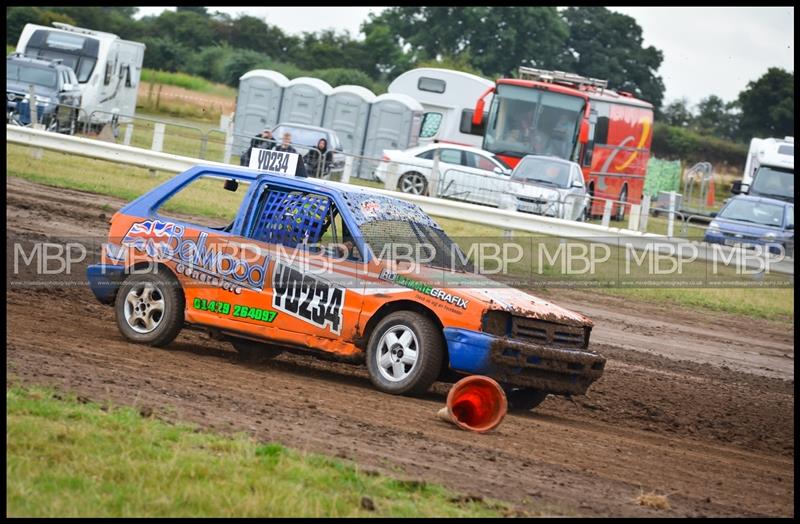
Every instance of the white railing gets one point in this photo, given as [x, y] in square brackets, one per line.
[499, 218]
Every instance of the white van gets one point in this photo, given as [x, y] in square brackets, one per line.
[448, 98]
[108, 68]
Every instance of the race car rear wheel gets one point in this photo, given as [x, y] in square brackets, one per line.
[524, 399]
[404, 354]
[251, 351]
[150, 308]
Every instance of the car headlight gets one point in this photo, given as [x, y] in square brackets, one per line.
[713, 227]
[44, 100]
[768, 237]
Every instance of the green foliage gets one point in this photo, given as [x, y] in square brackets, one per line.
[676, 143]
[459, 63]
[609, 45]
[164, 53]
[715, 117]
[767, 106]
[17, 17]
[340, 76]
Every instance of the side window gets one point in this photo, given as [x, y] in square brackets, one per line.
[128, 80]
[466, 126]
[451, 156]
[430, 125]
[206, 197]
[577, 177]
[109, 72]
[291, 217]
[427, 155]
[479, 161]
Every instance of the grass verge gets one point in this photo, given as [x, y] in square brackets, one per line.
[107, 178]
[71, 458]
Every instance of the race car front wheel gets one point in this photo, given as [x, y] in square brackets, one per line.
[149, 308]
[404, 354]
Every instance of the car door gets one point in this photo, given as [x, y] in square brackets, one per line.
[311, 292]
[454, 180]
[492, 177]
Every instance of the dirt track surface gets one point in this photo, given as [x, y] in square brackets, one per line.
[709, 428]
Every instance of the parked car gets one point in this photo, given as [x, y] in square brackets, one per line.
[466, 173]
[754, 221]
[305, 137]
[549, 186]
[299, 264]
[55, 87]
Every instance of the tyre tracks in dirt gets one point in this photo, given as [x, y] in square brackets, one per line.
[715, 436]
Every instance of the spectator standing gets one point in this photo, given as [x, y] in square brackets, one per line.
[319, 155]
[263, 140]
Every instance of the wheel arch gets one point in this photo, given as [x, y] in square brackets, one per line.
[402, 305]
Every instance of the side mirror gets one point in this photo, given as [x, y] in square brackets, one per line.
[790, 227]
[736, 187]
[499, 171]
[231, 185]
[583, 137]
[714, 214]
[477, 116]
[577, 184]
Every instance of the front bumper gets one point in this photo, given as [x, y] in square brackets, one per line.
[548, 368]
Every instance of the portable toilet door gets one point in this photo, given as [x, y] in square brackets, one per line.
[258, 105]
[394, 123]
[347, 113]
[304, 101]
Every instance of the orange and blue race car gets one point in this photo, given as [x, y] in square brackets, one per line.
[316, 266]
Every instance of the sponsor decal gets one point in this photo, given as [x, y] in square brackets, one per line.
[195, 258]
[423, 288]
[307, 297]
[239, 311]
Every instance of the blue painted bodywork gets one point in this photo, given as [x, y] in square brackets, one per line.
[469, 350]
[105, 279]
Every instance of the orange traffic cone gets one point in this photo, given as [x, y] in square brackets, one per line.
[475, 403]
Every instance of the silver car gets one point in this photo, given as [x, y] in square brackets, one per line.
[548, 186]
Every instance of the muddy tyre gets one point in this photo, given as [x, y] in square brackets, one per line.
[404, 354]
[524, 399]
[256, 352]
[150, 308]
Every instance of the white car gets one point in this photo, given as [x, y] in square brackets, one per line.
[465, 173]
[549, 186]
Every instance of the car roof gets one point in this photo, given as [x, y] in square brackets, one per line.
[35, 61]
[456, 146]
[354, 196]
[550, 158]
[766, 200]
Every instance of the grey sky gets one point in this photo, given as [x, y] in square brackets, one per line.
[707, 50]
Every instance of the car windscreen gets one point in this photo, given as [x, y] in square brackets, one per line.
[28, 74]
[401, 239]
[301, 136]
[773, 182]
[542, 171]
[761, 213]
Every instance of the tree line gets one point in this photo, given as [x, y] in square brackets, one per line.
[488, 41]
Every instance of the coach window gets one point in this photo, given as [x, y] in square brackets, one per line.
[598, 130]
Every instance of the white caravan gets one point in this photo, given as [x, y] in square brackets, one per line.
[769, 170]
[108, 68]
[448, 98]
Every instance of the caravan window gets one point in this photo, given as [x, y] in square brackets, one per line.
[430, 125]
[109, 70]
[64, 41]
[434, 85]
